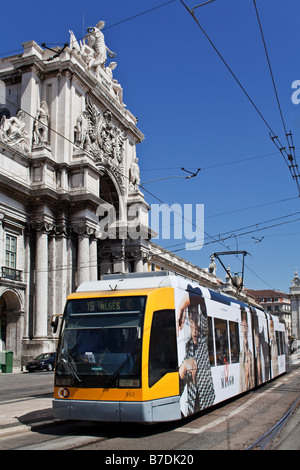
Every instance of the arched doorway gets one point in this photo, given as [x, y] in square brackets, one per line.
[111, 244]
[109, 193]
[2, 323]
[11, 320]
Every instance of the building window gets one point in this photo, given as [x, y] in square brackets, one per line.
[11, 252]
[9, 270]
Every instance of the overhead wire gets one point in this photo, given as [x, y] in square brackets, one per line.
[209, 167]
[233, 231]
[105, 27]
[287, 157]
[227, 66]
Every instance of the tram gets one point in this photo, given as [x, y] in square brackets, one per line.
[155, 347]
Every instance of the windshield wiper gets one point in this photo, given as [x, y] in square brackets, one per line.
[118, 371]
[70, 369]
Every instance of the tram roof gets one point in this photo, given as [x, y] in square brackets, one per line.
[152, 280]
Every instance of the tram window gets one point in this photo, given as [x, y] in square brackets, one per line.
[282, 342]
[163, 345]
[221, 338]
[278, 343]
[234, 341]
[210, 342]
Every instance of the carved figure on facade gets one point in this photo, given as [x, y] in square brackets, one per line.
[296, 280]
[212, 266]
[81, 133]
[93, 48]
[117, 90]
[94, 52]
[134, 173]
[41, 123]
[99, 46]
[13, 132]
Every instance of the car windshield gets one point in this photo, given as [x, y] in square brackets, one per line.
[100, 340]
[42, 357]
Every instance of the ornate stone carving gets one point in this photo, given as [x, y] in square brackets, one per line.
[116, 89]
[95, 133]
[12, 132]
[134, 173]
[81, 133]
[296, 280]
[41, 226]
[93, 49]
[84, 229]
[96, 37]
[41, 122]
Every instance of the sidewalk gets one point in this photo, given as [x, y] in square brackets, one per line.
[20, 415]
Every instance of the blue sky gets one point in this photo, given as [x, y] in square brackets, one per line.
[194, 115]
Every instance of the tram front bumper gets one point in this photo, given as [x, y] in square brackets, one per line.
[165, 409]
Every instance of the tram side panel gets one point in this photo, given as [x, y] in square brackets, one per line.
[215, 349]
[277, 341]
[224, 348]
[196, 387]
[260, 332]
[231, 352]
[217, 355]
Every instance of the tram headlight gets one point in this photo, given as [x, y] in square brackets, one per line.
[129, 383]
[63, 381]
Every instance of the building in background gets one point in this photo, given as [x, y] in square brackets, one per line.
[295, 310]
[276, 303]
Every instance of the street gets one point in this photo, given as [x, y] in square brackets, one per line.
[235, 425]
[25, 385]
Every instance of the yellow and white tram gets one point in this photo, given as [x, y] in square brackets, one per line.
[157, 347]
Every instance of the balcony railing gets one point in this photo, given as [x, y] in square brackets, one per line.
[10, 273]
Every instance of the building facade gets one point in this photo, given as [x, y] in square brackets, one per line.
[70, 205]
[276, 303]
[295, 308]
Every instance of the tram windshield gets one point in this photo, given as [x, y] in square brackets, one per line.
[100, 342]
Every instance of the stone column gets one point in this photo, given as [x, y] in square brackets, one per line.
[139, 266]
[83, 261]
[295, 307]
[41, 284]
[61, 265]
[93, 260]
[118, 255]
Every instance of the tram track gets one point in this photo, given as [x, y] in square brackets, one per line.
[265, 441]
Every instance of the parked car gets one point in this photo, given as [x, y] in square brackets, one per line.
[41, 362]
